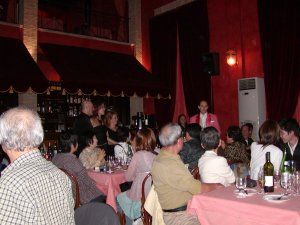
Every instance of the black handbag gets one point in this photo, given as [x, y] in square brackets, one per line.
[125, 186]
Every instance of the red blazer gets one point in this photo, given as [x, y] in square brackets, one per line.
[211, 120]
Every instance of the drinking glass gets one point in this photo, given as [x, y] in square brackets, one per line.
[260, 180]
[276, 178]
[296, 183]
[284, 181]
[241, 183]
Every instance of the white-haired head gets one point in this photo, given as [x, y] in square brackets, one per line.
[20, 129]
[169, 134]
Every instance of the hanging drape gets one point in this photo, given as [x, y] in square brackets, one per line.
[280, 37]
[193, 32]
[163, 58]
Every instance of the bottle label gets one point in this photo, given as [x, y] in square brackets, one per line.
[269, 181]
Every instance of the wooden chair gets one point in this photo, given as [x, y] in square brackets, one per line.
[75, 187]
[195, 173]
[145, 216]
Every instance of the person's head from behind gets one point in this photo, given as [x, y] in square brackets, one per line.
[111, 119]
[210, 139]
[289, 130]
[20, 130]
[87, 108]
[170, 137]
[247, 129]
[68, 142]
[234, 134]
[193, 131]
[144, 140]
[91, 140]
[124, 134]
[269, 133]
[182, 120]
[203, 107]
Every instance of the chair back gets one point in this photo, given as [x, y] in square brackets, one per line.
[145, 216]
[75, 187]
[96, 213]
[195, 173]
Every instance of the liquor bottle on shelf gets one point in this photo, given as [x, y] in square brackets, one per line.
[268, 174]
[71, 99]
[43, 108]
[139, 119]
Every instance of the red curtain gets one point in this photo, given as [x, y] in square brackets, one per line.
[280, 37]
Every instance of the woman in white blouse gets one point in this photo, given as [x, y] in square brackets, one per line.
[269, 136]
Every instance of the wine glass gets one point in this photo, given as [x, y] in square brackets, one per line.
[240, 183]
[260, 180]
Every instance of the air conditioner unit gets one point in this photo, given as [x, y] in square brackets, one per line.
[252, 103]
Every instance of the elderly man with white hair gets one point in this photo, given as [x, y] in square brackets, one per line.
[32, 189]
[172, 181]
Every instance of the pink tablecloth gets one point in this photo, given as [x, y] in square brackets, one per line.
[109, 184]
[222, 207]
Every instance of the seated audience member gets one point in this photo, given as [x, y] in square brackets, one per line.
[91, 156]
[192, 149]
[32, 189]
[290, 133]
[123, 148]
[172, 181]
[269, 136]
[68, 161]
[213, 168]
[235, 151]
[2, 164]
[247, 129]
[182, 121]
[204, 118]
[143, 146]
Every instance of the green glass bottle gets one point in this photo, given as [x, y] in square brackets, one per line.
[285, 164]
[268, 174]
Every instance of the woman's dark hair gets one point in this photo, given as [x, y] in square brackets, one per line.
[235, 133]
[66, 140]
[178, 119]
[123, 133]
[193, 129]
[210, 138]
[89, 138]
[145, 140]
[269, 133]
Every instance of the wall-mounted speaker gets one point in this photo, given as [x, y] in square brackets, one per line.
[210, 62]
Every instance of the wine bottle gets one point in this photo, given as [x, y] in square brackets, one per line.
[285, 164]
[268, 174]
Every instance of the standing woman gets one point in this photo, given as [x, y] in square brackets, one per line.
[269, 137]
[111, 123]
[182, 121]
[130, 201]
[98, 125]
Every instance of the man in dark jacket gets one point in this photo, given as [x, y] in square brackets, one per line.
[289, 133]
[82, 125]
[192, 149]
